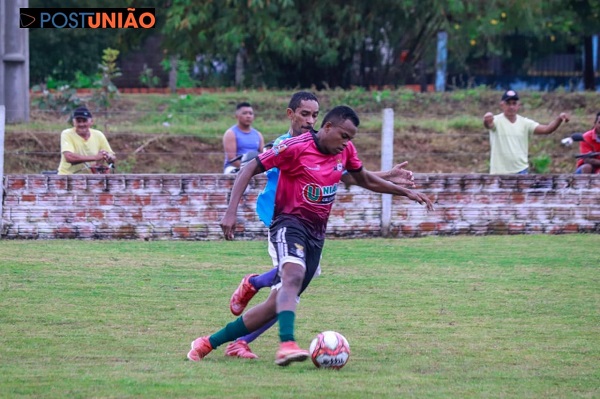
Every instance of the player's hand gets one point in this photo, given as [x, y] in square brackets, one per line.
[228, 226]
[400, 176]
[421, 199]
[564, 117]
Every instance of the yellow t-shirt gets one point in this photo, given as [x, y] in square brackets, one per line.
[509, 142]
[72, 142]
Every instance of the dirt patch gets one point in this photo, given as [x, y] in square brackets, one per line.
[454, 150]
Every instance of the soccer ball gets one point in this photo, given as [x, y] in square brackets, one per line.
[330, 350]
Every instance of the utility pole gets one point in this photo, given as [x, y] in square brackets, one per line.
[14, 68]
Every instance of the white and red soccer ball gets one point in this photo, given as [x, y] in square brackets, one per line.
[329, 349]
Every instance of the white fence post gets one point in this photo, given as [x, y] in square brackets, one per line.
[387, 160]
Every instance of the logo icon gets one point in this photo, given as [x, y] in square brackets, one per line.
[26, 20]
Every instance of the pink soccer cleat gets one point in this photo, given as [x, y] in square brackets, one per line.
[200, 348]
[290, 352]
[242, 295]
[240, 349]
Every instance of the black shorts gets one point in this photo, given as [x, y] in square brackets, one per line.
[293, 243]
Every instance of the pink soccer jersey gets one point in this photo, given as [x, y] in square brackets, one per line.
[309, 179]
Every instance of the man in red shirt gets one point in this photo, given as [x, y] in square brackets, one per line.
[590, 144]
[311, 167]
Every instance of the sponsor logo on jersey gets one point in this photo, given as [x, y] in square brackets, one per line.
[318, 195]
[279, 148]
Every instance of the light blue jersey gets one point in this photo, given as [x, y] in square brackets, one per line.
[265, 203]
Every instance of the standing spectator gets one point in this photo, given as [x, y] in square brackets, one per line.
[589, 145]
[82, 149]
[241, 138]
[509, 135]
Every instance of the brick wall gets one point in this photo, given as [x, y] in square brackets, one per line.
[189, 207]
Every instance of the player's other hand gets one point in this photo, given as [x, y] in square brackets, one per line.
[421, 199]
[400, 176]
[228, 226]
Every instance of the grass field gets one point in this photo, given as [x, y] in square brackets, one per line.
[437, 317]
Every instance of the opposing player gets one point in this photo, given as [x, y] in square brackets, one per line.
[299, 222]
[302, 111]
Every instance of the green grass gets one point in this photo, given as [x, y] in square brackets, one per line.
[438, 317]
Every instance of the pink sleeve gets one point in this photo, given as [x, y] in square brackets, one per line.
[277, 156]
[353, 163]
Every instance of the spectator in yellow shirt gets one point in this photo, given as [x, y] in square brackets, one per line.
[84, 150]
[509, 135]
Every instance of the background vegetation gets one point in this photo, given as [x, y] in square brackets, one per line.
[435, 132]
[460, 317]
[287, 44]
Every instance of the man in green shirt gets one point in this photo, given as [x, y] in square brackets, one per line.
[509, 135]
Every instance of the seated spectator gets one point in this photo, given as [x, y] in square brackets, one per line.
[84, 150]
[590, 146]
[241, 137]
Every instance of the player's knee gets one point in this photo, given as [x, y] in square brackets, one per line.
[293, 275]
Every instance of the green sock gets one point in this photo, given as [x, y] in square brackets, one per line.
[233, 330]
[286, 325]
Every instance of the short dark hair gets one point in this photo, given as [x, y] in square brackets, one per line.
[339, 114]
[300, 96]
[242, 105]
[597, 117]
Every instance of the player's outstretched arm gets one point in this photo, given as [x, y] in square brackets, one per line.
[239, 186]
[397, 175]
[372, 182]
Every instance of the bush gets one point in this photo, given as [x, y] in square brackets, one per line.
[62, 100]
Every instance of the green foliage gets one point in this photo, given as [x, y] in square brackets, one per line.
[468, 94]
[541, 163]
[184, 77]
[147, 77]
[381, 96]
[62, 52]
[61, 100]
[51, 83]
[83, 81]
[325, 44]
[108, 71]
[292, 44]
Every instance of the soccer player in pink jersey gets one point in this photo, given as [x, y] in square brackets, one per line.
[311, 167]
[302, 111]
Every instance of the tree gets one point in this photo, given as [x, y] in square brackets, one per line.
[60, 53]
